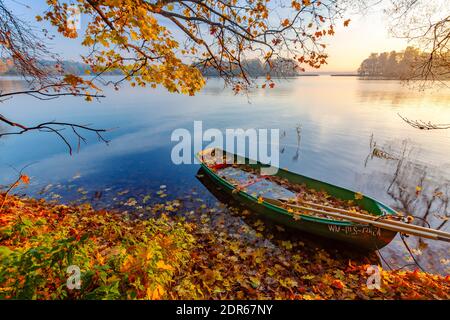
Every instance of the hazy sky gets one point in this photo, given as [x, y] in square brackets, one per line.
[347, 48]
[364, 35]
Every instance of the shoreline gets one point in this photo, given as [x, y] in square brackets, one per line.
[182, 254]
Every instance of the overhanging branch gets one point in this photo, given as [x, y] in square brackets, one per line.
[56, 128]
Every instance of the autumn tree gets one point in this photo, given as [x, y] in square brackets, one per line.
[425, 25]
[404, 65]
[141, 39]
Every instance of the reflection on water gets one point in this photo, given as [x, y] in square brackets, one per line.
[11, 84]
[338, 116]
[417, 189]
[389, 92]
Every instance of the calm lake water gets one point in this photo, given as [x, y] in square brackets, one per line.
[329, 123]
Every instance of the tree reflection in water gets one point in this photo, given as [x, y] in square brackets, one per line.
[416, 189]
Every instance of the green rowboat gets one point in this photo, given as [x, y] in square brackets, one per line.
[359, 235]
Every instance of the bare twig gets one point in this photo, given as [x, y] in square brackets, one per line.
[13, 185]
[422, 125]
[56, 128]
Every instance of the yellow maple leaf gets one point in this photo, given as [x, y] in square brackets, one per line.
[157, 293]
[418, 189]
[359, 196]
[134, 35]
[163, 266]
[127, 263]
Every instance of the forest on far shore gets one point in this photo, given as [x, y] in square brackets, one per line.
[254, 67]
[408, 64]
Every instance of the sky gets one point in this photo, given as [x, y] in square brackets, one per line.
[347, 48]
[364, 35]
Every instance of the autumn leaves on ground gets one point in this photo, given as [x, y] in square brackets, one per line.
[167, 257]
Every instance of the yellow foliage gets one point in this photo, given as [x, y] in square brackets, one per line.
[163, 266]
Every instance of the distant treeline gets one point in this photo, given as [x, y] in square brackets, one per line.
[281, 67]
[71, 67]
[254, 67]
[408, 64]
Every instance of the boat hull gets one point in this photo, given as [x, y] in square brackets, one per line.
[360, 236]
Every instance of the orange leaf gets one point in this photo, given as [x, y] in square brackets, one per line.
[297, 6]
[338, 284]
[155, 294]
[346, 22]
[25, 179]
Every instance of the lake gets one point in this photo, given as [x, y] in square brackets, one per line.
[341, 130]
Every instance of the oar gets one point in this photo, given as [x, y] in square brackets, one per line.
[403, 229]
[379, 224]
[371, 217]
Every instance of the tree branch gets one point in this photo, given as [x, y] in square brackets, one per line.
[56, 128]
[422, 125]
